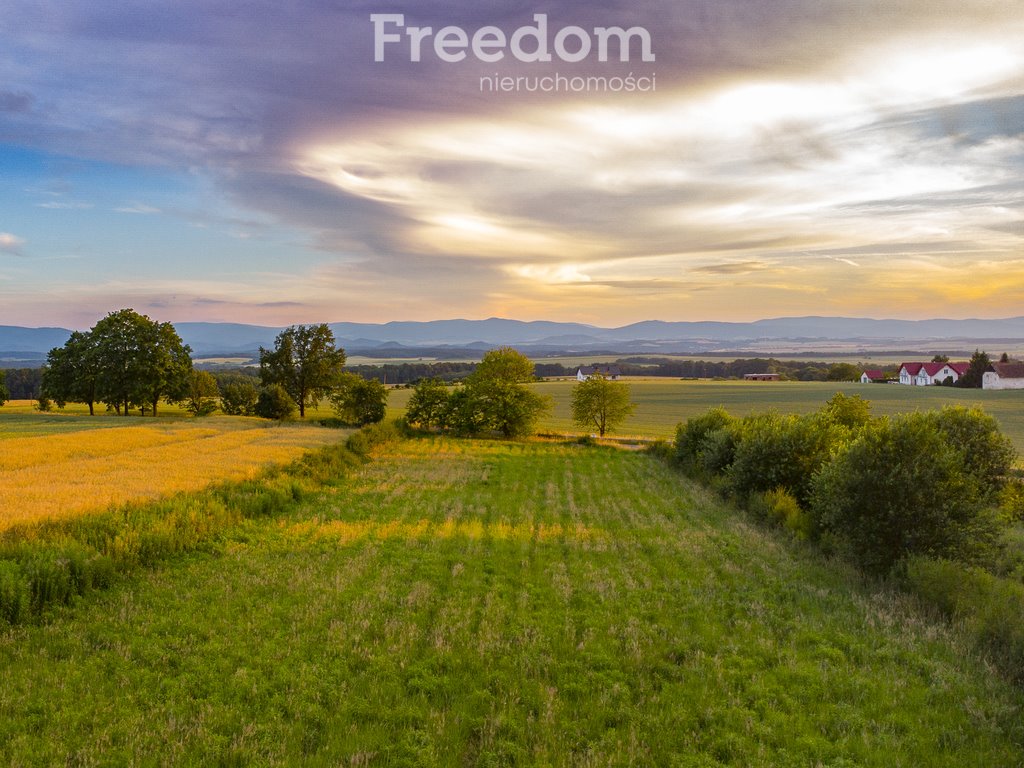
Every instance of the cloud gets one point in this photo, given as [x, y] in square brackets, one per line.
[11, 243]
[731, 268]
[138, 208]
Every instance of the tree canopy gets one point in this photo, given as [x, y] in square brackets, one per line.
[360, 401]
[304, 362]
[125, 359]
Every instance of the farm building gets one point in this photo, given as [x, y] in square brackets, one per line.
[926, 374]
[584, 372]
[1003, 376]
[761, 376]
[872, 375]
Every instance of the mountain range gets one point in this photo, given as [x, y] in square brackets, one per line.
[228, 339]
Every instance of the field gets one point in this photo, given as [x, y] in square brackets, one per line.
[59, 465]
[663, 403]
[484, 603]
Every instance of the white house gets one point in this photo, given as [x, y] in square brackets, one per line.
[872, 375]
[584, 372]
[1003, 376]
[926, 374]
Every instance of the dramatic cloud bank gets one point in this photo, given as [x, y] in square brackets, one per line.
[253, 162]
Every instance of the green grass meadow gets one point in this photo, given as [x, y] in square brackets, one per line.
[662, 403]
[496, 604]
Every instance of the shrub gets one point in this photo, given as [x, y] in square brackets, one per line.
[275, 403]
[238, 398]
[359, 401]
[986, 454]
[901, 489]
[774, 451]
[692, 436]
[850, 411]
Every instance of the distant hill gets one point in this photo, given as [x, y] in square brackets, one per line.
[545, 337]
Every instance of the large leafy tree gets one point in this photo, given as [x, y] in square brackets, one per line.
[71, 374]
[601, 404]
[139, 361]
[493, 397]
[304, 362]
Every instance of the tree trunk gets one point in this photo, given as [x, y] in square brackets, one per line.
[155, 401]
[91, 411]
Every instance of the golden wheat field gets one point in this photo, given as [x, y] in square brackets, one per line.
[58, 475]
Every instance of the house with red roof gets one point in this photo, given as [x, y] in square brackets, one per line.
[872, 375]
[926, 374]
[1004, 376]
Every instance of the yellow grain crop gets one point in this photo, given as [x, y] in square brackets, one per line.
[68, 474]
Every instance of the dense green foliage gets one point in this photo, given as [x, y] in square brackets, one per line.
[305, 362]
[493, 399]
[4, 394]
[23, 383]
[359, 401]
[903, 488]
[913, 488]
[125, 360]
[457, 603]
[978, 365]
[274, 402]
[428, 405]
[238, 398]
[601, 404]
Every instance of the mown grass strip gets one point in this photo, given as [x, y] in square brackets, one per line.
[52, 563]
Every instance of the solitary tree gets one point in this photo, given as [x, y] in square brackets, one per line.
[600, 404]
[305, 362]
[360, 401]
[494, 398]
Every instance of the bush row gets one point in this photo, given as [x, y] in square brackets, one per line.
[54, 563]
[917, 495]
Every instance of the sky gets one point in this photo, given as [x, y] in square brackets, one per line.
[234, 161]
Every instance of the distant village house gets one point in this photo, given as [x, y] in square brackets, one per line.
[926, 374]
[584, 372]
[872, 376]
[762, 376]
[1003, 376]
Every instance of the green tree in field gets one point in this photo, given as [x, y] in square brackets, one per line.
[238, 396]
[274, 402]
[138, 361]
[428, 405]
[979, 364]
[843, 372]
[493, 397]
[200, 399]
[940, 358]
[359, 401]
[600, 404]
[305, 362]
[72, 372]
[4, 394]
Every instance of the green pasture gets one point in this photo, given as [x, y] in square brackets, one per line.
[663, 403]
[495, 604]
